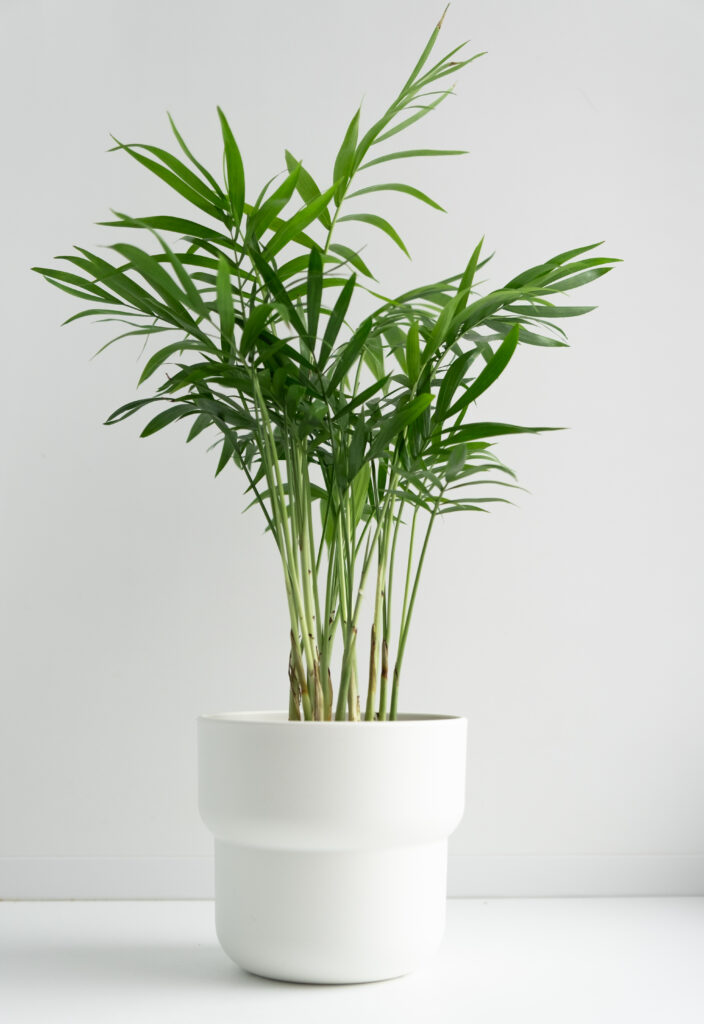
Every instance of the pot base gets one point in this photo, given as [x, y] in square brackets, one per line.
[331, 917]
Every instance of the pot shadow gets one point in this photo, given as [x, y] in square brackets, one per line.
[129, 965]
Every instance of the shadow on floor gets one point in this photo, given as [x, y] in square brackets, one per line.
[130, 964]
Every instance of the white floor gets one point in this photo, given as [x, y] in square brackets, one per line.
[601, 961]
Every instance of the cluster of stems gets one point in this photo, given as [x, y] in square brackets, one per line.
[328, 563]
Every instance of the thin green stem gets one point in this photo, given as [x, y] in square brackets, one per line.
[405, 624]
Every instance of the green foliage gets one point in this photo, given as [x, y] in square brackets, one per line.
[346, 432]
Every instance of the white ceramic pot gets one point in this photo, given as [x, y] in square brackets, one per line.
[330, 840]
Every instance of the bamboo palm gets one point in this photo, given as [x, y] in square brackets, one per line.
[349, 432]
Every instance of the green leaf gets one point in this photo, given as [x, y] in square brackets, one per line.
[180, 225]
[191, 293]
[253, 327]
[413, 353]
[362, 397]
[467, 279]
[314, 293]
[377, 222]
[307, 189]
[493, 369]
[455, 373]
[456, 461]
[549, 312]
[130, 408]
[360, 487]
[563, 257]
[164, 285]
[89, 287]
[204, 171]
[577, 280]
[225, 305]
[475, 431]
[183, 172]
[406, 153]
[226, 454]
[160, 357]
[424, 110]
[200, 423]
[478, 311]
[392, 426]
[277, 289]
[234, 169]
[336, 320]
[344, 161]
[503, 324]
[351, 353]
[193, 195]
[420, 64]
[398, 187]
[443, 328]
[163, 418]
[353, 258]
[273, 206]
[300, 220]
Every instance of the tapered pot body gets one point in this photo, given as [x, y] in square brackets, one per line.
[330, 840]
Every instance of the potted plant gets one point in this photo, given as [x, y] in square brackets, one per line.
[331, 818]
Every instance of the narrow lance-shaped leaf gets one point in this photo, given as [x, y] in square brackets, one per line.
[90, 290]
[130, 408]
[376, 222]
[194, 196]
[344, 161]
[253, 327]
[183, 172]
[225, 305]
[393, 425]
[476, 431]
[160, 357]
[234, 169]
[353, 258]
[203, 170]
[454, 374]
[467, 280]
[397, 187]
[413, 353]
[307, 189]
[277, 289]
[226, 454]
[273, 206]
[166, 416]
[407, 153]
[578, 280]
[362, 397]
[290, 228]
[190, 291]
[350, 353]
[425, 109]
[336, 320]
[420, 64]
[493, 369]
[313, 294]
[549, 312]
[181, 225]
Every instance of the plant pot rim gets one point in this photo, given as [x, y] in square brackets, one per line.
[280, 718]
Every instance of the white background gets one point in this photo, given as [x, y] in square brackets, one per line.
[135, 593]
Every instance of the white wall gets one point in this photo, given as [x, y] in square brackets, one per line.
[136, 595]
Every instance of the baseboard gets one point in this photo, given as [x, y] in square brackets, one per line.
[183, 878]
[577, 875]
